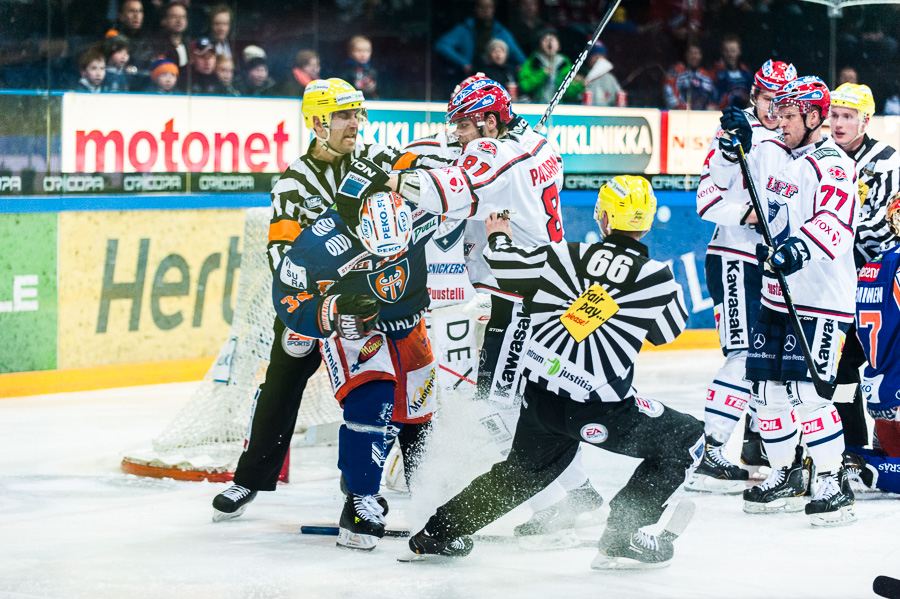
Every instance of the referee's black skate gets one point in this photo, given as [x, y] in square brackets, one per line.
[785, 490]
[624, 550]
[753, 452]
[833, 500]
[362, 523]
[425, 546]
[232, 502]
[716, 473]
[563, 514]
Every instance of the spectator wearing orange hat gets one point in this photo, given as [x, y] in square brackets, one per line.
[163, 76]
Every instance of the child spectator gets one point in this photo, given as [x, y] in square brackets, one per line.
[201, 77]
[733, 79]
[225, 76]
[545, 69]
[495, 64]
[688, 85]
[306, 68]
[118, 72]
[220, 29]
[600, 81]
[256, 79]
[163, 76]
[93, 70]
[357, 69]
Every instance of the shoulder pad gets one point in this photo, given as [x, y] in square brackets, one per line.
[825, 152]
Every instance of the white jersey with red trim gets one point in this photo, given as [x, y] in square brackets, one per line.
[723, 199]
[812, 195]
[519, 172]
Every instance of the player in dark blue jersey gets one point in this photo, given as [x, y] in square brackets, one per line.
[363, 293]
[878, 329]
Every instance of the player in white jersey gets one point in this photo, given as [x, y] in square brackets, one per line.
[503, 165]
[878, 170]
[735, 285]
[811, 198]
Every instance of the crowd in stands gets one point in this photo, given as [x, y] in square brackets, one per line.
[696, 54]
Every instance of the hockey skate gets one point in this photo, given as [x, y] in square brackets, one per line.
[362, 523]
[378, 496]
[832, 503]
[753, 452]
[716, 473]
[862, 476]
[425, 546]
[232, 502]
[785, 490]
[554, 527]
[639, 550]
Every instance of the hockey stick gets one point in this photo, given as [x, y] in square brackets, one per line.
[885, 586]
[823, 388]
[575, 66]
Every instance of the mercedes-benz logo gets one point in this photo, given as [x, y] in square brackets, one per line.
[759, 340]
[790, 342]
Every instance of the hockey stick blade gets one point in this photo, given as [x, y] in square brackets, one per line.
[885, 586]
[332, 531]
[678, 521]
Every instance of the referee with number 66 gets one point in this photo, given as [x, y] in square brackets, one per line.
[591, 306]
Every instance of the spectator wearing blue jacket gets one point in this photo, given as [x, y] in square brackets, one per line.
[467, 42]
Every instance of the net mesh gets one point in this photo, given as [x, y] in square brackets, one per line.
[208, 433]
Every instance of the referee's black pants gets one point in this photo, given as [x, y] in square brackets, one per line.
[545, 442]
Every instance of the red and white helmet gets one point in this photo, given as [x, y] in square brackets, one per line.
[774, 74]
[804, 93]
[475, 100]
[470, 79]
[385, 223]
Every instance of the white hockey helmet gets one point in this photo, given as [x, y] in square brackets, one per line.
[385, 223]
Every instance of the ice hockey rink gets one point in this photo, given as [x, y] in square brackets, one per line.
[73, 525]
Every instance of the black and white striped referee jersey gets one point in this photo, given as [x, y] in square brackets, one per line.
[591, 306]
[878, 169]
[306, 190]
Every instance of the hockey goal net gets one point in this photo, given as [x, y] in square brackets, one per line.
[205, 439]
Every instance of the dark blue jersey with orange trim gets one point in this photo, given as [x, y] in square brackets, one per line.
[878, 328]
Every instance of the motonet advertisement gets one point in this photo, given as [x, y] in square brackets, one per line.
[137, 133]
[146, 285]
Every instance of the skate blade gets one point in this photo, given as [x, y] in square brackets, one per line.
[223, 516]
[410, 556]
[605, 563]
[842, 517]
[561, 539]
[351, 540]
[779, 506]
[700, 483]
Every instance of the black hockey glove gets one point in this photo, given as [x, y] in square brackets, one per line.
[364, 178]
[735, 130]
[789, 257]
[351, 315]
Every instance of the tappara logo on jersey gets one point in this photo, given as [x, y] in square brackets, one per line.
[388, 284]
[837, 173]
[594, 433]
[488, 146]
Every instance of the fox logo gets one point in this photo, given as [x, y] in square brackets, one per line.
[837, 173]
[489, 147]
[388, 284]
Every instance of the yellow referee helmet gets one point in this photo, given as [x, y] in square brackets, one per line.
[628, 202]
[854, 96]
[324, 96]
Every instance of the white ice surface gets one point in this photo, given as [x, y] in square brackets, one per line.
[73, 525]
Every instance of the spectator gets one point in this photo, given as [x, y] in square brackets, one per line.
[463, 44]
[847, 75]
[545, 69]
[163, 76]
[256, 79]
[494, 64]
[251, 52]
[306, 69]
[174, 24]
[225, 76]
[733, 79]
[357, 68]
[220, 29]
[118, 72]
[600, 82]
[525, 24]
[130, 23]
[688, 85]
[93, 70]
[201, 78]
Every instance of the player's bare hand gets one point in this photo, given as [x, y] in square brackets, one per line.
[498, 223]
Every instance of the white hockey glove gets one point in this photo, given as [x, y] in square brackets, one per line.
[409, 186]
